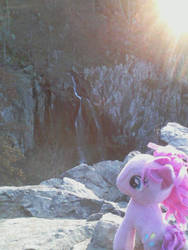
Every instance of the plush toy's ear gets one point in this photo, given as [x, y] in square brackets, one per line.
[164, 174]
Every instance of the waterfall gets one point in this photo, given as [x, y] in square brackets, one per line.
[79, 127]
[99, 135]
[80, 135]
[89, 136]
[75, 89]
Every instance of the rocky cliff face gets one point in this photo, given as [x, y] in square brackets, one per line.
[137, 98]
[17, 106]
[85, 81]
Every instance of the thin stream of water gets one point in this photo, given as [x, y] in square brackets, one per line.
[79, 127]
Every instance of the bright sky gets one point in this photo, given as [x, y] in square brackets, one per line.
[175, 14]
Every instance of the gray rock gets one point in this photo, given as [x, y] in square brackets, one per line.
[100, 178]
[109, 207]
[114, 208]
[104, 231]
[129, 156]
[175, 135]
[94, 217]
[71, 185]
[82, 245]
[45, 234]
[72, 200]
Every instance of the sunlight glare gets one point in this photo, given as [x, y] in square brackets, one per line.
[175, 14]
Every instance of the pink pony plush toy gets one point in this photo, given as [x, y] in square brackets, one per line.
[151, 180]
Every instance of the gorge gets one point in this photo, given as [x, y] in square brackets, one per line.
[85, 81]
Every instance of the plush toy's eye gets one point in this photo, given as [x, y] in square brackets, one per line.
[135, 181]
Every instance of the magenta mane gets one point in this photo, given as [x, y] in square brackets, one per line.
[177, 201]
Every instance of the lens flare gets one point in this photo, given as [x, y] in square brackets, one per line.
[175, 14]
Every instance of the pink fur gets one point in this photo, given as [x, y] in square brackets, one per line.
[151, 180]
[173, 238]
[177, 201]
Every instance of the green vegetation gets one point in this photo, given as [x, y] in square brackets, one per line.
[9, 156]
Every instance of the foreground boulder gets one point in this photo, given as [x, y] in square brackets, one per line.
[101, 178]
[72, 200]
[45, 234]
[83, 205]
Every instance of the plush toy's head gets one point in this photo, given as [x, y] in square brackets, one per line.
[145, 180]
[158, 178]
